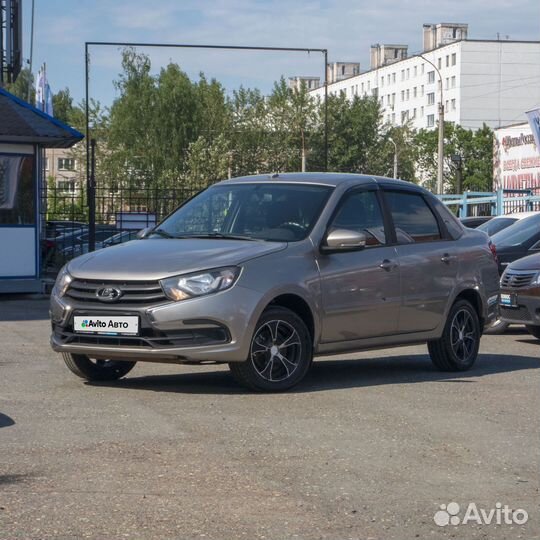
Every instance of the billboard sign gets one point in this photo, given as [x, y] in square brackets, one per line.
[516, 160]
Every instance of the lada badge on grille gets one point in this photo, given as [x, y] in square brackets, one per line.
[108, 294]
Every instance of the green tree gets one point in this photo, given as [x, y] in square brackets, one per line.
[63, 106]
[20, 87]
[475, 149]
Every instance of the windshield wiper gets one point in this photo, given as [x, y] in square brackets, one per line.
[224, 236]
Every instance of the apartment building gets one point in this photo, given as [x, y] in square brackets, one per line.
[481, 81]
[65, 169]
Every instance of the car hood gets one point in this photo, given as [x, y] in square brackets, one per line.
[532, 262]
[157, 258]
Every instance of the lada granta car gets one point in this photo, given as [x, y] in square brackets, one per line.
[265, 272]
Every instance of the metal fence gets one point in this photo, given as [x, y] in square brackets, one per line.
[119, 216]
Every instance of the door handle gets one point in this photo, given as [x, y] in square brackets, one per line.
[387, 265]
[446, 258]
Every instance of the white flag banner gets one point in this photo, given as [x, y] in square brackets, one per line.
[534, 121]
[40, 88]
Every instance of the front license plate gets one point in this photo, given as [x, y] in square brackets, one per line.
[508, 300]
[113, 326]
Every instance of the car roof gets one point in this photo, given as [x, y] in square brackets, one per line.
[319, 178]
[517, 215]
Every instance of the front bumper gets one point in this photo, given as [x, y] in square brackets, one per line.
[527, 310]
[213, 328]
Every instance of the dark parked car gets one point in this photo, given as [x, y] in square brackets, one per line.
[517, 241]
[475, 221]
[520, 293]
[264, 272]
[499, 223]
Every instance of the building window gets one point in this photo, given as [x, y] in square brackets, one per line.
[66, 164]
[422, 69]
[403, 95]
[66, 185]
[388, 77]
[414, 92]
[408, 95]
[393, 77]
[415, 71]
[453, 81]
[421, 112]
[453, 104]
[431, 77]
[393, 99]
[414, 113]
[408, 73]
[362, 88]
[454, 59]
[404, 116]
[439, 62]
[431, 98]
[369, 85]
[430, 120]
[402, 74]
[447, 60]
[46, 163]
[382, 81]
[447, 83]
[422, 94]
[393, 118]
[343, 70]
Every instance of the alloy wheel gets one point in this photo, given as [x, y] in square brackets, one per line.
[463, 336]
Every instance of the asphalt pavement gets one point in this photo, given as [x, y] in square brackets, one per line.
[368, 447]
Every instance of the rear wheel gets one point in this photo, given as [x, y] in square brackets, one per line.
[457, 349]
[280, 353]
[534, 330]
[96, 370]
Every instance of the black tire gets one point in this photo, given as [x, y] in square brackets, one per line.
[534, 330]
[457, 349]
[97, 370]
[497, 327]
[272, 367]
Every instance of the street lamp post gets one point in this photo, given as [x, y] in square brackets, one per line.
[395, 157]
[440, 163]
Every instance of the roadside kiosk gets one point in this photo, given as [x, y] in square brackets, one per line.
[24, 133]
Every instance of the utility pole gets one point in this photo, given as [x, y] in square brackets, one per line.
[440, 163]
[395, 157]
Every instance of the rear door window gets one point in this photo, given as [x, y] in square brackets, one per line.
[414, 221]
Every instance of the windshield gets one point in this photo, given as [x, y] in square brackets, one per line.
[493, 226]
[278, 212]
[521, 233]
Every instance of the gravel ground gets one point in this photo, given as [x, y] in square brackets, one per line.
[368, 447]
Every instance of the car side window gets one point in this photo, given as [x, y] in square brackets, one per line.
[414, 221]
[360, 211]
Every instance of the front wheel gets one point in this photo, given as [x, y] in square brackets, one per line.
[280, 353]
[534, 330]
[97, 370]
[457, 348]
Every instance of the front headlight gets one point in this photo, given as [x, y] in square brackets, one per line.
[536, 280]
[199, 283]
[62, 282]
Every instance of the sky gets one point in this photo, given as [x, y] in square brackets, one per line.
[346, 28]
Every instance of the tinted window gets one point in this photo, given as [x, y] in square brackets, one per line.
[413, 219]
[522, 233]
[453, 225]
[361, 212]
[496, 225]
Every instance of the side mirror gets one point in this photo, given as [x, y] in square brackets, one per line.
[343, 240]
[143, 233]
